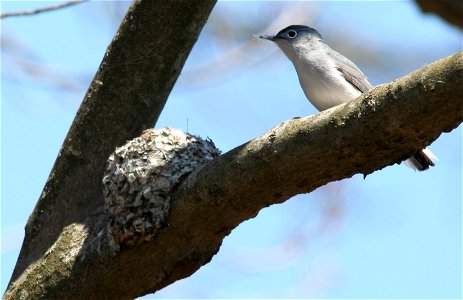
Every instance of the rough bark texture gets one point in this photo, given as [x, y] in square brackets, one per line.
[449, 10]
[126, 96]
[382, 127]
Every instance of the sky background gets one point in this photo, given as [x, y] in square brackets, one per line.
[396, 234]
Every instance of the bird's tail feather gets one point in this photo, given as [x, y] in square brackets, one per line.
[422, 160]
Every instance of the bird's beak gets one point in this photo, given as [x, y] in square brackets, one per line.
[265, 37]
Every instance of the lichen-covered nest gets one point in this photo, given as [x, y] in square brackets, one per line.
[140, 176]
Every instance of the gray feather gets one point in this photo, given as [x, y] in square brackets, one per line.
[351, 72]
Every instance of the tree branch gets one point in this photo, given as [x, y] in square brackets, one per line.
[125, 97]
[40, 10]
[449, 10]
[380, 128]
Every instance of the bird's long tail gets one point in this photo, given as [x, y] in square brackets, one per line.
[422, 160]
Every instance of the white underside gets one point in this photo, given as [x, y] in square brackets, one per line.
[411, 161]
[326, 90]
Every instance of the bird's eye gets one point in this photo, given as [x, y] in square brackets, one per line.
[292, 34]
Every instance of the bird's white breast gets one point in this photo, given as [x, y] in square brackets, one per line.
[324, 85]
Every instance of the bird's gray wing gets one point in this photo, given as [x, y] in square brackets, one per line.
[351, 72]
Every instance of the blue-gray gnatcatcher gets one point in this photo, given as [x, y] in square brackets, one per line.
[328, 78]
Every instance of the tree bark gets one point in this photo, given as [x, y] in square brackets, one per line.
[380, 128]
[125, 97]
[449, 10]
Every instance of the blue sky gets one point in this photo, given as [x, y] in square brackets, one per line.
[396, 234]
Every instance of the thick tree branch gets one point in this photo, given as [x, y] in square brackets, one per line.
[449, 10]
[125, 97]
[382, 127]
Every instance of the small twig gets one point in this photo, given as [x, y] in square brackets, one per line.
[39, 10]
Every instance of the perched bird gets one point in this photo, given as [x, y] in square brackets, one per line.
[327, 77]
